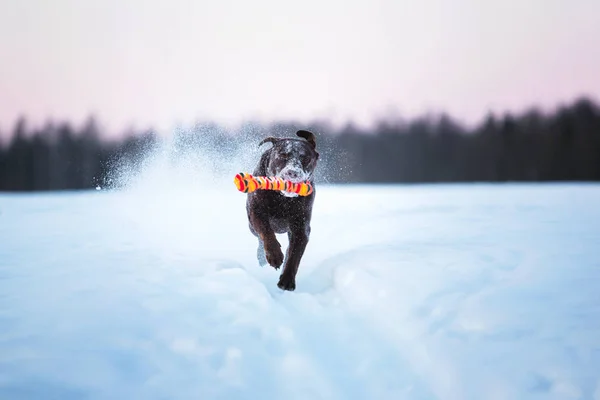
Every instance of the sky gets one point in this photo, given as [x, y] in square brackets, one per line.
[149, 63]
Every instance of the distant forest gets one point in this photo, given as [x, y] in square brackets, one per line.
[563, 145]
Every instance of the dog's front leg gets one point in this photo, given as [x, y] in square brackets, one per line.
[298, 238]
[265, 233]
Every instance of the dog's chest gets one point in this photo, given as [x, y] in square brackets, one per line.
[283, 211]
[281, 207]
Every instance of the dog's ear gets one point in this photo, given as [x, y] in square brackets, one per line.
[309, 136]
[270, 139]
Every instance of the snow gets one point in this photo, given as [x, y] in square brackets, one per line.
[405, 292]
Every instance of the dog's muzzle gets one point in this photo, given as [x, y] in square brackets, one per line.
[294, 174]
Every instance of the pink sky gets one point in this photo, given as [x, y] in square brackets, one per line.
[148, 63]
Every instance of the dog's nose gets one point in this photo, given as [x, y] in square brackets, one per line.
[293, 174]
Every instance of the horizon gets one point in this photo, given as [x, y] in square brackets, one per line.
[6, 135]
[338, 127]
[143, 65]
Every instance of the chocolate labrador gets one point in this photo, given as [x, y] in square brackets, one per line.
[271, 212]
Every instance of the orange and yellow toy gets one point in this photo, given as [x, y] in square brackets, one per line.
[247, 183]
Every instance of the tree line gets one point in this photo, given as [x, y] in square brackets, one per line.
[562, 145]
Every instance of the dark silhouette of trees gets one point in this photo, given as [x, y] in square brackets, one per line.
[533, 146]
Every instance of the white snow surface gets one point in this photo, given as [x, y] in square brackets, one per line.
[404, 292]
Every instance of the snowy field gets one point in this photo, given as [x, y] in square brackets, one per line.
[405, 292]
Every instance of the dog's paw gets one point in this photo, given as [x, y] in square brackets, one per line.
[274, 255]
[286, 283]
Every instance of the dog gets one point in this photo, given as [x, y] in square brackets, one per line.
[270, 212]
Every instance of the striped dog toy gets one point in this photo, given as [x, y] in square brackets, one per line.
[247, 183]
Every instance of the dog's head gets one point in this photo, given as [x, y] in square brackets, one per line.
[291, 158]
